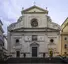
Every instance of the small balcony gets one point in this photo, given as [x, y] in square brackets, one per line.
[17, 46]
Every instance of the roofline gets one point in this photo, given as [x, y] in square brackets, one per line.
[64, 21]
[1, 22]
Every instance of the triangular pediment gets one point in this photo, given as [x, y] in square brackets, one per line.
[65, 23]
[34, 44]
[64, 26]
[34, 9]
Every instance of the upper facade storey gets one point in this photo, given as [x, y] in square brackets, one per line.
[34, 17]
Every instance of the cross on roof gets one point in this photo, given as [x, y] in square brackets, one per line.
[34, 3]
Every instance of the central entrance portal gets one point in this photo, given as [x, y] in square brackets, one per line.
[34, 51]
[17, 53]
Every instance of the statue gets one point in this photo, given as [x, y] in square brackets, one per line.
[51, 53]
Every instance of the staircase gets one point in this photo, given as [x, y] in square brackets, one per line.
[34, 60]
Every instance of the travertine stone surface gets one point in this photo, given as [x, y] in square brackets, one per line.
[23, 31]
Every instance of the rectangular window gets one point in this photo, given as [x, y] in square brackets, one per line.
[65, 46]
[17, 42]
[3, 43]
[34, 37]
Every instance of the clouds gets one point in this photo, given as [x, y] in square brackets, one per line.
[8, 13]
[10, 10]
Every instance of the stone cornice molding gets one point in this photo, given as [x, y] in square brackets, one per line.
[34, 30]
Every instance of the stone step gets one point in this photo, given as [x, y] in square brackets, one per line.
[36, 63]
[33, 63]
[34, 60]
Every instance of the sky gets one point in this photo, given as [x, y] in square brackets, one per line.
[10, 10]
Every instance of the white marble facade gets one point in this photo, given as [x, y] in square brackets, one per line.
[33, 34]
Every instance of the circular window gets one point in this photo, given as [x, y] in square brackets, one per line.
[34, 22]
[51, 40]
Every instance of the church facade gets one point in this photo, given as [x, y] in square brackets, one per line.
[34, 34]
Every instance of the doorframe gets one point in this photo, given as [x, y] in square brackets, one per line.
[16, 53]
[34, 44]
[31, 51]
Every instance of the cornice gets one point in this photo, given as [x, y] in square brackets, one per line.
[32, 31]
[64, 33]
[23, 28]
[35, 12]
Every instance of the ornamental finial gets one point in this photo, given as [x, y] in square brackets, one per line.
[46, 8]
[22, 8]
[34, 3]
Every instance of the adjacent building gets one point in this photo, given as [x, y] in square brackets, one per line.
[34, 34]
[3, 43]
[64, 37]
